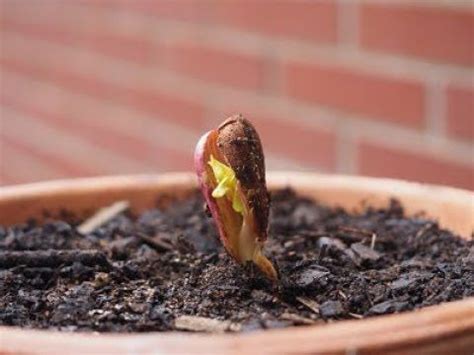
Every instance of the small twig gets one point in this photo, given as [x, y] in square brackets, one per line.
[102, 216]
[423, 230]
[342, 294]
[296, 319]
[309, 303]
[156, 243]
[372, 241]
[203, 324]
[51, 258]
[355, 315]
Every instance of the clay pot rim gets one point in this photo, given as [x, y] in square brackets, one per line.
[275, 179]
[446, 324]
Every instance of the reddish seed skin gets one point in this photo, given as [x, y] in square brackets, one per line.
[200, 168]
[236, 143]
[207, 183]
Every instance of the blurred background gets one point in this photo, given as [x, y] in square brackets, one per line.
[378, 88]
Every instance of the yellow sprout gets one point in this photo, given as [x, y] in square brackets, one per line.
[226, 184]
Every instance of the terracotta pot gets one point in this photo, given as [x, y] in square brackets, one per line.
[443, 328]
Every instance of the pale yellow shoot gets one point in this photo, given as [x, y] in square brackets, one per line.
[226, 184]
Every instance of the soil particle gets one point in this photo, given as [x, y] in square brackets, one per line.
[360, 253]
[331, 309]
[165, 270]
[388, 307]
[308, 275]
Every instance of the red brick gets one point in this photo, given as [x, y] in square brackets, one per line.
[101, 3]
[217, 65]
[460, 112]
[7, 178]
[66, 166]
[166, 106]
[394, 100]
[162, 105]
[316, 147]
[377, 160]
[44, 136]
[18, 166]
[130, 48]
[111, 139]
[440, 34]
[310, 20]
[182, 10]
[313, 147]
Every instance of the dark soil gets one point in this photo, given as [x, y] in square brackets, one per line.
[165, 270]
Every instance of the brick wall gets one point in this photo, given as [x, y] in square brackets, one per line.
[380, 88]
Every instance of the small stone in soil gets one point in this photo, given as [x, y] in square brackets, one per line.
[331, 309]
[331, 244]
[365, 253]
[311, 277]
[388, 307]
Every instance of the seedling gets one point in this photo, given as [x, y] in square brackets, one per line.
[230, 167]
